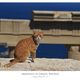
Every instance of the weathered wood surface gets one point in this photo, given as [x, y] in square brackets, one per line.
[73, 16]
[11, 31]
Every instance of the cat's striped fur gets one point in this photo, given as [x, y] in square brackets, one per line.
[25, 47]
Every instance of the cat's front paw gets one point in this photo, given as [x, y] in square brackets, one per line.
[32, 60]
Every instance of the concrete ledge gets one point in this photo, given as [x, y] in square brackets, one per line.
[43, 64]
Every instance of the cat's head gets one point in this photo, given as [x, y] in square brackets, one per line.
[38, 35]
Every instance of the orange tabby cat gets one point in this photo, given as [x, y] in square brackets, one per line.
[25, 47]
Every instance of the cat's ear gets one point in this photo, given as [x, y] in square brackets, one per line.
[34, 32]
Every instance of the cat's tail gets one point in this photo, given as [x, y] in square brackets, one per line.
[12, 62]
